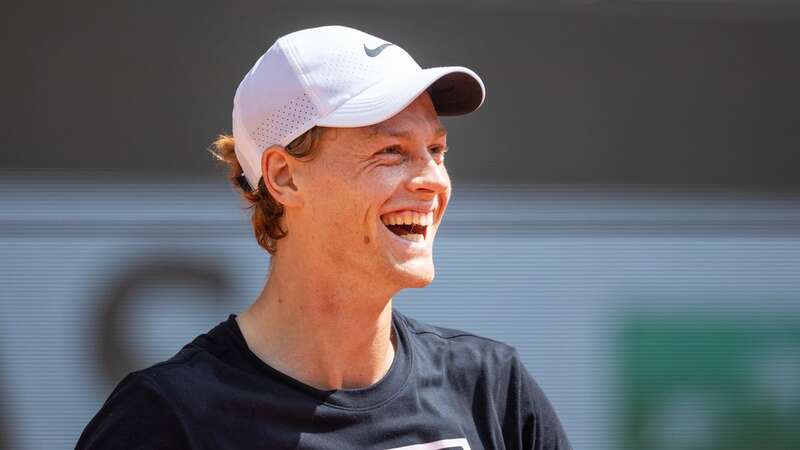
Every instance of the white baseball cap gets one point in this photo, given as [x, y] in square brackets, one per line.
[336, 76]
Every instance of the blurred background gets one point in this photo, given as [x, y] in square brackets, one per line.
[626, 206]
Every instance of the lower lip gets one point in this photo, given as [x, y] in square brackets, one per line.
[405, 243]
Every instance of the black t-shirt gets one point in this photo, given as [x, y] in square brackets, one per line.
[445, 389]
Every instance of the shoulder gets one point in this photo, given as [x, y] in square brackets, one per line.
[151, 407]
[443, 336]
[460, 349]
[493, 373]
[187, 362]
[157, 385]
[136, 414]
[196, 365]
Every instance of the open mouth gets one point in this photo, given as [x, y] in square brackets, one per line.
[410, 226]
[413, 232]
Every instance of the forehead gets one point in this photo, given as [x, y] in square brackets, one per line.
[405, 130]
[418, 119]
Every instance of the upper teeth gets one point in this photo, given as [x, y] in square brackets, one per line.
[408, 218]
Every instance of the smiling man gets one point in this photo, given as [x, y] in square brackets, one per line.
[338, 148]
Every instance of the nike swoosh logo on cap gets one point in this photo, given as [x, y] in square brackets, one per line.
[373, 52]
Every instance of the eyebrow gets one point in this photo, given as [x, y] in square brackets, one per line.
[384, 130]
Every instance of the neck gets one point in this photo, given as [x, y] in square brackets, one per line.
[320, 329]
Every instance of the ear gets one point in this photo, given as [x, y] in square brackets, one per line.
[277, 169]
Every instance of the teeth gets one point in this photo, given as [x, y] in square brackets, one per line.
[413, 237]
[408, 218]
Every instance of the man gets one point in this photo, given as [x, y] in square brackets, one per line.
[321, 360]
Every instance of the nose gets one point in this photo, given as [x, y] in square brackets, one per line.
[429, 176]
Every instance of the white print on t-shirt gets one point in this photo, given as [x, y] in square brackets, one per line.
[445, 443]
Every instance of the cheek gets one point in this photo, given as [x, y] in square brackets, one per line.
[390, 177]
[328, 202]
[345, 203]
[345, 199]
[445, 197]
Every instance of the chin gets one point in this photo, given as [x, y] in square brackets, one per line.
[416, 274]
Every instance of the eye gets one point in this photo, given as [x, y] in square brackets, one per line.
[439, 150]
[390, 150]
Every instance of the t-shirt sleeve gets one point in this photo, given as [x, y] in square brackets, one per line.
[135, 416]
[531, 423]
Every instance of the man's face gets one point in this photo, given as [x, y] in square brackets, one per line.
[374, 197]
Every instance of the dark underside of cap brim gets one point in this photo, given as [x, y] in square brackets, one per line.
[455, 93]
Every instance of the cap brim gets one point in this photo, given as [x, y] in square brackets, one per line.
[454, 91]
